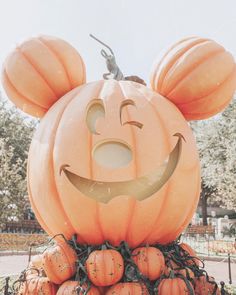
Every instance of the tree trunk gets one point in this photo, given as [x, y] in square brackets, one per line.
[204, 208]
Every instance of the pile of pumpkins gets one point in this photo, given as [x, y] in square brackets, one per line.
[66, 268]
[222, 247]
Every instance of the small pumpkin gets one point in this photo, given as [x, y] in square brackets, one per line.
[74, 288]
[40, 71]
[59, 262]
[191, 253]
[37, 285]
[174, 285]
[128, 288]
[105, 267]
[150, 261]
[206, 286]
[198, 75]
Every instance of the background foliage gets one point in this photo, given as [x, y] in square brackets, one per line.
[15, 136]
[216, 140]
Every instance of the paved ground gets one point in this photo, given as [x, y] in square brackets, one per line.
[11, 265]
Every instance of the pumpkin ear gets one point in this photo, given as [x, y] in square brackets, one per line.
[198, 75]
[40, 71]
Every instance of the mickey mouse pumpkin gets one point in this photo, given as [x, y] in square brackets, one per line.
[110, 161]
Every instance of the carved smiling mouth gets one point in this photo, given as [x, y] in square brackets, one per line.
[141, 188]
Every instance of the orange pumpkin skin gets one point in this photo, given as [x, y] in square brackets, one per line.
[150, 262]
[175, 286]
[38, 285]
[50, 67]
[71, 288]
[105, 267]
[191, 252]
[198, 75]
[63, 138]
[128, 288]
[59, 262]
[203, 287]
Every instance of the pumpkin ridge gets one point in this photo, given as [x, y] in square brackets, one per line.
[183, 50]
[131, 215]
[166, 184]
[133, 134]
[157, 65]
[90, 139]
[67, 257]
[51, 266]
[52, 159]
[189, 214]
[211, 92]
[113, 258]
[35, 68]
[37, 283]
[38, 215]
[55, 54]
[193, 68]
[20, 94]
[99, 220]
[154, 71]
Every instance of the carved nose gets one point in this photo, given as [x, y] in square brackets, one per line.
[112, 154]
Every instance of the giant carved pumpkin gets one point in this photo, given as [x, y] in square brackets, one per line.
[114, 161]
[111, 160]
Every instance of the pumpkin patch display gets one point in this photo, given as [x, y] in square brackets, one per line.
[198, 75]
[113, 166]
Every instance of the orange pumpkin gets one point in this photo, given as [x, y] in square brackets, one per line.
[175, 286]
[105, 267]
[128, 288]
[73, 288]
[150, 262]
[192, 253]
[203, 287]
[197, 75]
[37, 285]
[116, 166]
[40, 71]
[59, 262]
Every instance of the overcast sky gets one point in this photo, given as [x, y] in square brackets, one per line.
[136, 30]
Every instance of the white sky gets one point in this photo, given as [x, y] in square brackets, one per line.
[136, 30]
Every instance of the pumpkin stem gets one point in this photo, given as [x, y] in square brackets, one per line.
[114, 70]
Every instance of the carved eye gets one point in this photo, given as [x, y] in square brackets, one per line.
[134, 123]
[131, 122]
[95, 111]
